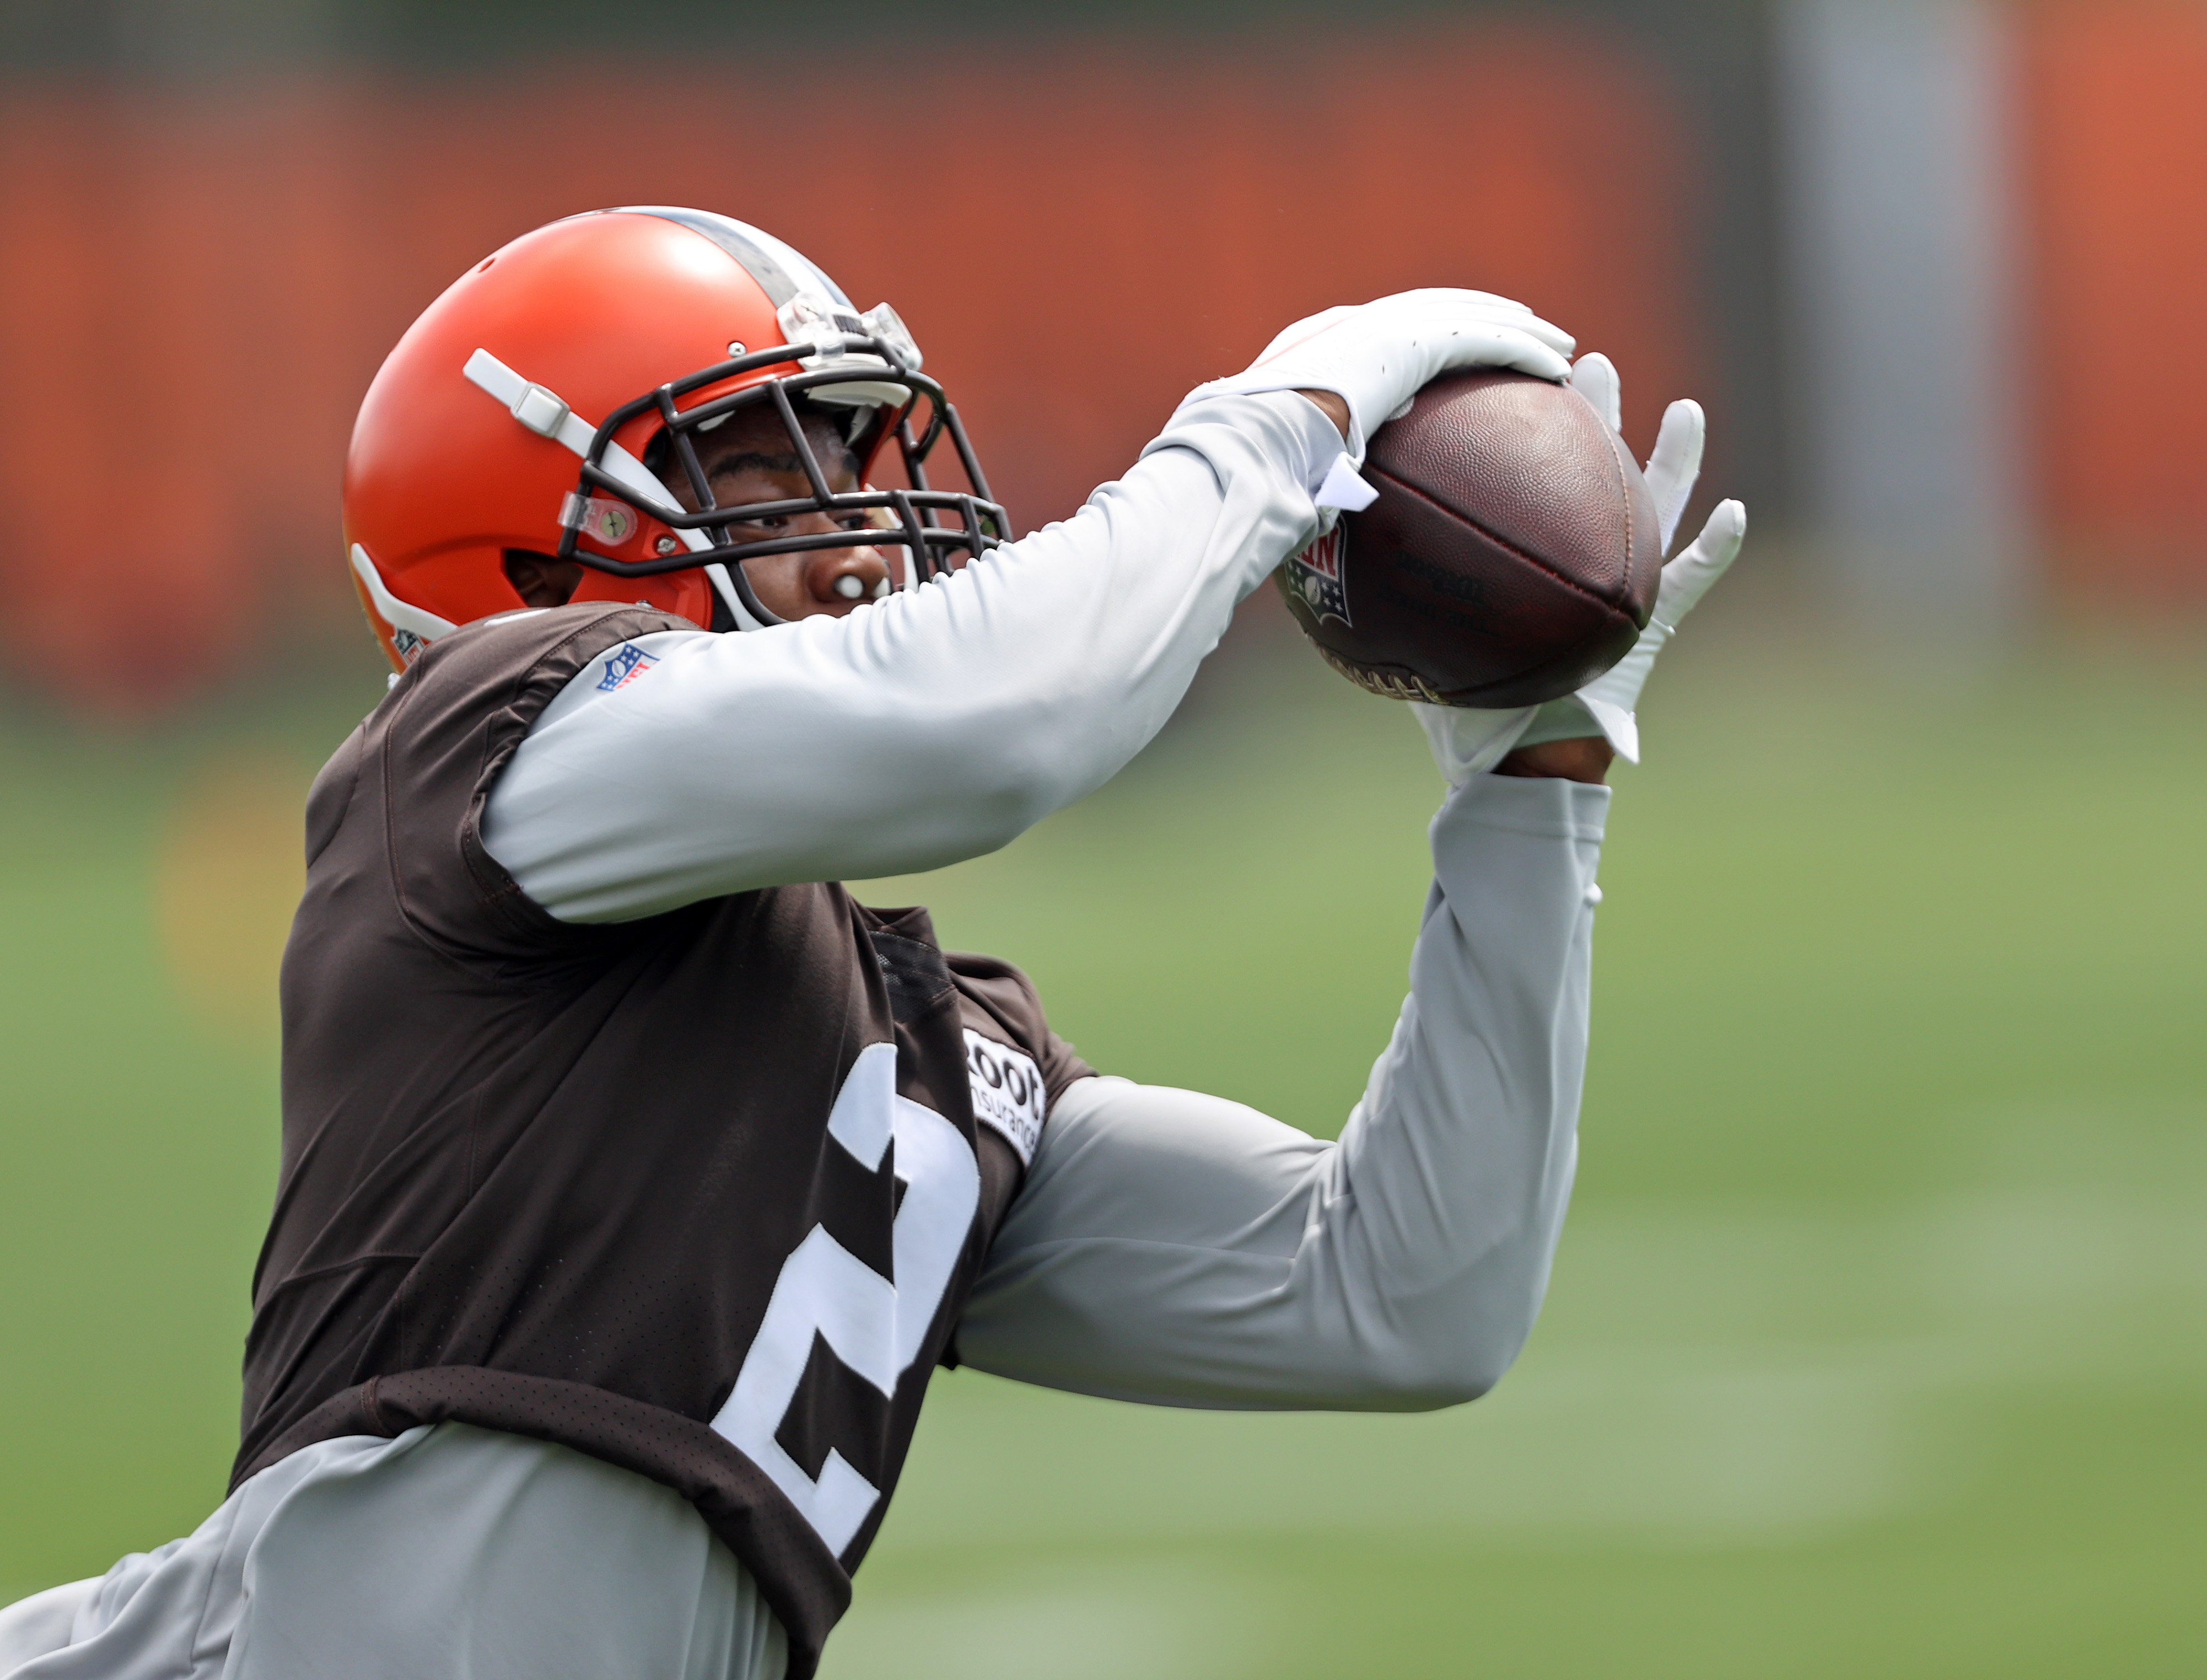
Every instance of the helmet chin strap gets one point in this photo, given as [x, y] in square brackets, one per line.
[545, 414]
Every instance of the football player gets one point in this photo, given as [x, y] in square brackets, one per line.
[635, 1177]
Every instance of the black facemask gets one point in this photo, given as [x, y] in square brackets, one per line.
[930, 525]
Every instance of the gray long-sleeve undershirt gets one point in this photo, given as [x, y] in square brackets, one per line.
[1166, 1246]
[1177, 1248]
[934, 726]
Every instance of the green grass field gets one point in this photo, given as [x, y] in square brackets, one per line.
[1878, 1340]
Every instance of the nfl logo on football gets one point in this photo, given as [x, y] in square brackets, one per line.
[1315, 576]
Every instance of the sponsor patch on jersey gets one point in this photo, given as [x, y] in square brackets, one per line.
[624, 665]
[1007, 1094]
[1315, 575]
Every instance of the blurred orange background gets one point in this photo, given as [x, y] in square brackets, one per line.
[2112, 105]
[201, 282]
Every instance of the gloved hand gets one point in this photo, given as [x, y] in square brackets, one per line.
[1467, 740]
[1376, 356]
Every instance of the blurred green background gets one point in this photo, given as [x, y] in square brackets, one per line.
[1874, 1343]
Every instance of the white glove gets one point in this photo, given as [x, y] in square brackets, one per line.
[1467, 740]
[1377, 356]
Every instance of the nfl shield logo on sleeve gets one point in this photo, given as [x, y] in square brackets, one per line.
[626, 663]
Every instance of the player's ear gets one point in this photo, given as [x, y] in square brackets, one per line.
[541, 580]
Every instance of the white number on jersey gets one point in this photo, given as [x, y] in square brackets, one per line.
[873, 1325]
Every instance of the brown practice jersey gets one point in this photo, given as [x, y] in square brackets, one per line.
[700, 1194]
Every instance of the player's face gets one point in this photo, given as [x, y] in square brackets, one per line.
[749, 459]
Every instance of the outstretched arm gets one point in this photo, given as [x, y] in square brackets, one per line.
[940, 723]
[933, 726]
[1181, 1249]
[1173, 1247]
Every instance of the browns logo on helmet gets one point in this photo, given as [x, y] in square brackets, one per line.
[541, 409]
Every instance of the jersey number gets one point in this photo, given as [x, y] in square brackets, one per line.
[873, 1325]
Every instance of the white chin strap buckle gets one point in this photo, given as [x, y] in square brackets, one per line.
[540, 412]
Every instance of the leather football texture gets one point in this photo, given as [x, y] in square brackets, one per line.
[1511, 556]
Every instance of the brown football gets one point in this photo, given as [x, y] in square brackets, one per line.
[1512, 555]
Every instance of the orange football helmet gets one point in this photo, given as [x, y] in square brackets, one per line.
[517, 413]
